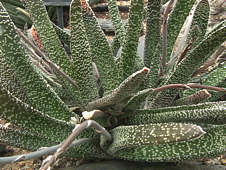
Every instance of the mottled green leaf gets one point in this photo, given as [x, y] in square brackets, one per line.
[14, 58]
[125, 137]
[101, 51]
[195, 58]
[152, 37]
[120, 31]
[48, 36]
[23, 139]
[193, 31]
[129, 47]
[122, 93]
[209, 115]
[24, 116]
[209, 145]
[81, 55]
[176, 21]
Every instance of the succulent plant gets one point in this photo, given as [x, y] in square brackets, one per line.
[135, 97]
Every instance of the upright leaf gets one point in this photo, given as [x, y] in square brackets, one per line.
[176, 21]
[48, 36]
[101, 51]
[129, 48]
[193, 31]
[120, 31]
[40, 95]
[81, 54]
[152, 35]
[187, 67]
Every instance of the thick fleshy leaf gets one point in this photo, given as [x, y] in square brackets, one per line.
[216, 78]
[81, 55]
[194, 98]
[120, 31]
[10, 81]
[176, 21]
[23, 139]
[129, 47]
[150, 134]
[48, 36]
[152, 37]
[63, 34]
[135, 102]
[195, 58]
[218, 95]
[101, 52]
[194, 31]
[209, 145]
[208, 113]
[122, 93]
[43, 128]
[14, 58]
[24, 116]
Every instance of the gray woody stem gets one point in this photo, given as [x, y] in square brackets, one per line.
[76, 131]
[37, 154]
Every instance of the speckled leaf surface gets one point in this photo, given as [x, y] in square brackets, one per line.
[81, 55]
[209, 145]
[10, 81]
[176, 21]
[151, 134]
[187, 67]
[193, 31]
[24, 116]
[120, 31]
[212, 113]
[41, 96]
[48, 35]
[121, 93]
[151, 59]
[23, 139]
[129, 47]
[43, 128]
[135, 102]
[63, 34]
[216, 76]
[101, 51]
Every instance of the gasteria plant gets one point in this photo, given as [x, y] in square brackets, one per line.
[137, 97]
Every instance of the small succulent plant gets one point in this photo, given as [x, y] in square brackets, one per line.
[137, 97]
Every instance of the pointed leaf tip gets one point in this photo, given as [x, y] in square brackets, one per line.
[145, 69]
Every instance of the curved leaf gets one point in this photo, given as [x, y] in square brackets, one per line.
[209, 115]
[139, 136]
[40, 95]
[209, 145]
[195, 58]
[121, 93]
[48, 36]
[23, 139]
[24, 116]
